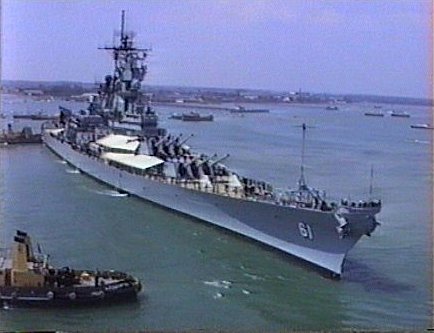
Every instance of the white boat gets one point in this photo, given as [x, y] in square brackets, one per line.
[374, 114]
[422, 126]
[400, 114]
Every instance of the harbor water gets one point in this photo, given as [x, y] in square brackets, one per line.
[196, 276]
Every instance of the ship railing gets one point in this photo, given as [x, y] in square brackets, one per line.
[219, 187]
[292, 199]
[307, 199]
[360, 204]
[223, 188]
[370, 207]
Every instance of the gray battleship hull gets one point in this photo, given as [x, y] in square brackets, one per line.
[308, 234]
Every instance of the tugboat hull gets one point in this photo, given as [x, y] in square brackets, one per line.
[65, 296]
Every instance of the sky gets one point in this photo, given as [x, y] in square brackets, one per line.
[362, 47]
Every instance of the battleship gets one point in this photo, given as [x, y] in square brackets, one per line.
[27, 279]
[140, 158]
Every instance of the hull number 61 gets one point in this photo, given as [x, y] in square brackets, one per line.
[305, 230]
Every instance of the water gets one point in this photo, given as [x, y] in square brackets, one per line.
[196, 276]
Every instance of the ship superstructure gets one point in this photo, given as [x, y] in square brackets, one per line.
[118, 141]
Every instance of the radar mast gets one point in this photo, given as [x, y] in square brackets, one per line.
[120, 93]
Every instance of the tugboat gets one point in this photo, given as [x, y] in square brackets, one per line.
[400, 114]
[27, 279]
[195, 116]
[374, 114]
[422, 126]
[36, 116]
[176, 116]
[242, 109]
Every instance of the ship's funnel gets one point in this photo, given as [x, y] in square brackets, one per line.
[19, 254]
[21, 233]
[23, 237]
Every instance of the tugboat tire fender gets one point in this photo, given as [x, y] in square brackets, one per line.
[50, 295]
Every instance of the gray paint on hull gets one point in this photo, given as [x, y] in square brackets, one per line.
[271, 224]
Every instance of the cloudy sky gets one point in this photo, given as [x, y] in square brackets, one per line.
[374, 47]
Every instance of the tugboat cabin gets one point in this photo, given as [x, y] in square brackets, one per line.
[22, 269]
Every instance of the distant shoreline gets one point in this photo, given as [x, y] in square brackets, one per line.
[228, 108]
[209, 95]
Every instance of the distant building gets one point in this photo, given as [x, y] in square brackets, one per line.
[251, 97]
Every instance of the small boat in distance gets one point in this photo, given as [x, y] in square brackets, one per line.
[242, 109]
[192, 116]
[332, 108]
[27, 279]
[422, 126]
[25, 136]
[35, 116]
[400, 114]
[374, 114]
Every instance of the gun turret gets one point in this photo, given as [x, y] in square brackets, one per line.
[159, 142]
[194, 159]
[174, 140]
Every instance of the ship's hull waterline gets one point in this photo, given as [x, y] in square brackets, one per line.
[271, 224]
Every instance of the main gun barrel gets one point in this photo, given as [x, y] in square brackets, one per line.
[221, 159]
[186, 139]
